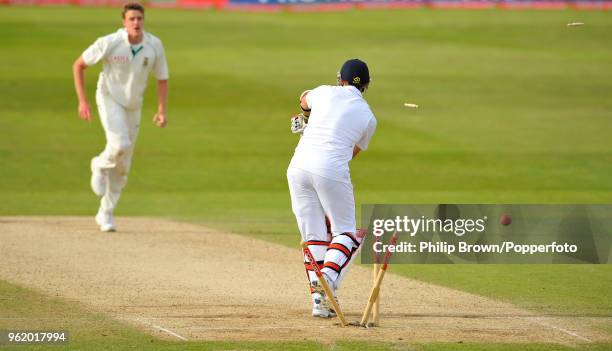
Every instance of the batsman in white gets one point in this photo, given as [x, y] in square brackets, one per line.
[128, 56]
[339, 125]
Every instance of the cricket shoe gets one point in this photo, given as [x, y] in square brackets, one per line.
[321, 306]
[105, 221]
[99, 179]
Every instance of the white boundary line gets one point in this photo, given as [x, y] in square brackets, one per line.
[168, 331]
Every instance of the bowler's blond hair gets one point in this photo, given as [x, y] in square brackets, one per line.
[132, 6]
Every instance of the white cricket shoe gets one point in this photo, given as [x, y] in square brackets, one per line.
[105, 221]
[321, 307]
[98, 179]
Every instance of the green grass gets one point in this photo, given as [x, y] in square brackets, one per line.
[563, 290]
[515, 108]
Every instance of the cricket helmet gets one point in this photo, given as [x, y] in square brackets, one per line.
[356, 73]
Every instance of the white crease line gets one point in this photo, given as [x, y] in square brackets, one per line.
[163, 329]
[170, 332]
[563, 330]
[294, 328]
[257, 328]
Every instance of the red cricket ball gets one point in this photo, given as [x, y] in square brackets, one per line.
[505, 219]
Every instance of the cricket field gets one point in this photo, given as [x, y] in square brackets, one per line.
[514, 107]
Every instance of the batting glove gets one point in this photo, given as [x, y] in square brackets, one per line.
[298, 124]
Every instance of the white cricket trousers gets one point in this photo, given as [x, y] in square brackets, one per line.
[313, 196]
[121, 129]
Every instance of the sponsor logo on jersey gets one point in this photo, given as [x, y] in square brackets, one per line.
[120, 59]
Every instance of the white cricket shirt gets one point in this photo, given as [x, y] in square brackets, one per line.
[125, 74]
[339, 120]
